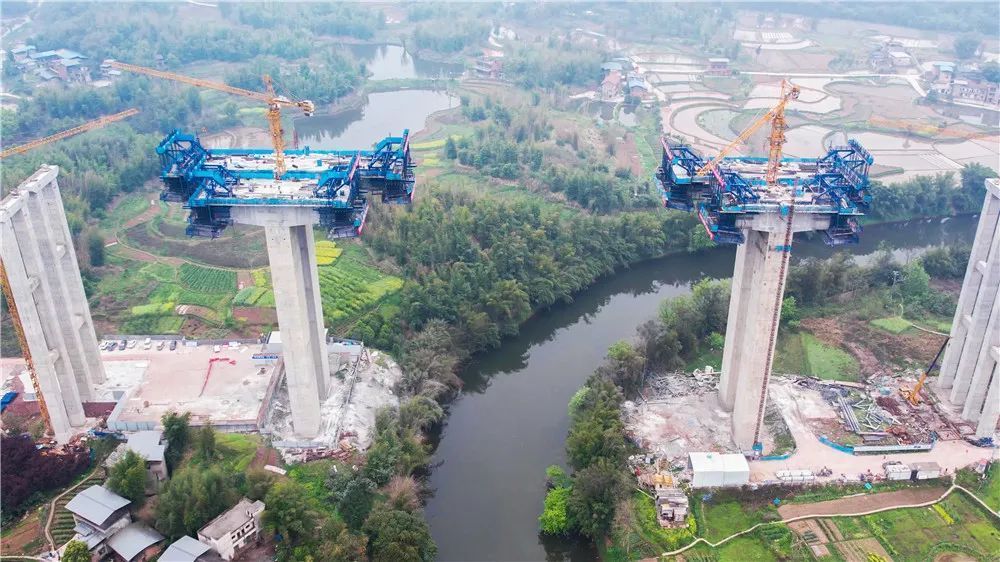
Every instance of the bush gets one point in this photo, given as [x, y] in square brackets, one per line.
[555, 517]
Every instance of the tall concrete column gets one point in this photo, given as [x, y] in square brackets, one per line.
[291, 250]
[982, 370]
[975, 324]
[987, 236]
[751, 362]
[737, 333]
[38, 256]
[990, 415]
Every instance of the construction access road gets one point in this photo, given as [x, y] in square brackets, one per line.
[811, 454]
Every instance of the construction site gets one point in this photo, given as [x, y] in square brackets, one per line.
[800, 429]
[309, 391]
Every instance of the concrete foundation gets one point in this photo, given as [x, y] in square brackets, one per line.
[37, 252]
[292, 254]
[969, 376]
[754, 306]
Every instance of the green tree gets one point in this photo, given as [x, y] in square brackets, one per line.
[291, 513]
[191, 498]
[398, 536]
[555, 516]
[95, 247]
[205, 442]
[596, 491]
[991, 71]
[258, 482]
[790, 313]
[128, 478]
[355, 501]
[966, 46]
[419, 413]
[450, 150]
[177, 432]
[76, 551]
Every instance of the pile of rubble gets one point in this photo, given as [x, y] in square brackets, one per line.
[681, 384]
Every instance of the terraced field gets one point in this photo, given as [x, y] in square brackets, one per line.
[62, 524]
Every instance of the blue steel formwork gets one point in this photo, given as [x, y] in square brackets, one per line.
[340, 181]
[835, 185]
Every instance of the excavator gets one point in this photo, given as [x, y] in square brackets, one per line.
[913, 395]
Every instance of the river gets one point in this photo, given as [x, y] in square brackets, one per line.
[384, 113]
[510, 421]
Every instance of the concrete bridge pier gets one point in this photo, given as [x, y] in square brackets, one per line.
[758, 288]
[291, 250]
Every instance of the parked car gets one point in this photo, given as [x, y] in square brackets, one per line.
[160, 344]
[217, 349]
[132, 343]
[173, 345]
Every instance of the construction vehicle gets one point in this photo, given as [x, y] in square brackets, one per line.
[913, 395]
[776, 117]
[89, 126]
[274, 104]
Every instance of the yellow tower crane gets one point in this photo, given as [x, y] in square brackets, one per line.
[95, 124]
[776, 117]
[274, 104]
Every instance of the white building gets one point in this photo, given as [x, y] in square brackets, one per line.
[716, 470]
[150, 446]
[235, 530]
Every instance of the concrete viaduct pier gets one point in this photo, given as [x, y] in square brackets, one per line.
[291, 250]
[754, 313]
[970, 378]
[38, 256]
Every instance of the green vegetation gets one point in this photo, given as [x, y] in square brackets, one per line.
[128, 478]
[76, 551]
[828, 362]
[327, 252]
[893, 324]
[350, 285]
[207, 280]
[986, 488]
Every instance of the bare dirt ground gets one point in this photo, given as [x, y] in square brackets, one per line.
[27, 533]
[858, 550]
[802, 407]
[237, 136]
[265, 456]
[255, 315]
[819, 539]
[859, 504]
[244, 278]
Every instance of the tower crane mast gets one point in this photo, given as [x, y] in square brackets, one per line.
[775, 116]
[95, 124]
[274, 103]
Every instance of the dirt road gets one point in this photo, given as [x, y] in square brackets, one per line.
[860, 503]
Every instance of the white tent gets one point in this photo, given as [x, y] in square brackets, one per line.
[714, 470]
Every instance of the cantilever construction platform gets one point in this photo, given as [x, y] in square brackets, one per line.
[737, 206]
[333, 183]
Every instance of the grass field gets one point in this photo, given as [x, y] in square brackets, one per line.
[803, 353]
[892, 324]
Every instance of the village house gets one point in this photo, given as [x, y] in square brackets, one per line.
[611, 86]
[235, 530]
[137, 542]
[973, 89]
[637, 86]
[188, 549]
[150, 446]
[98, 514]
[489, 67]
[718, 67]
